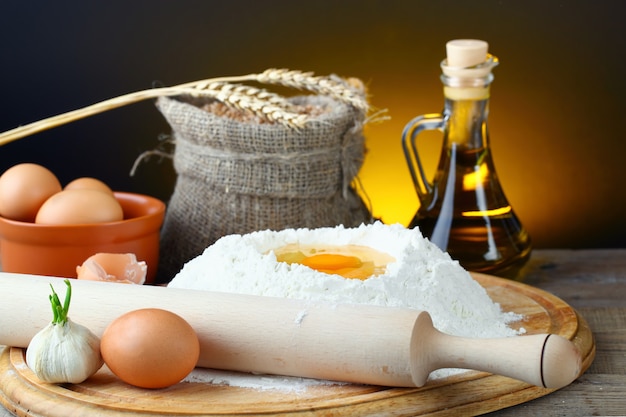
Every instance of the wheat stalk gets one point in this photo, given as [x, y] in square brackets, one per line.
[258, 101]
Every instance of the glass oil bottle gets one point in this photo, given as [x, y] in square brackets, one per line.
[464, 210]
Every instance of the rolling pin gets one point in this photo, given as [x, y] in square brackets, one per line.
[342, 342]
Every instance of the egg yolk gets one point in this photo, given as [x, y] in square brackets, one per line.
[348, 261]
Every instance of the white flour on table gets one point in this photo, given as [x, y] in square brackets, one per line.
[423, 277]
[259, 382]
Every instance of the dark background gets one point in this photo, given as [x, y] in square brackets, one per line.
[556, 116]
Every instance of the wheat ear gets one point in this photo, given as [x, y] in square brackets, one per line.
[333, 86]
[260, 102]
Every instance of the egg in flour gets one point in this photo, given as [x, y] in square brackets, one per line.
[416, 274]
[349, 261]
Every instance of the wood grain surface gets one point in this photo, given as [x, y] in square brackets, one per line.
[470, 393]
[592, 281]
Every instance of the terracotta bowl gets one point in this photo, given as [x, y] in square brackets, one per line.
[39, 249]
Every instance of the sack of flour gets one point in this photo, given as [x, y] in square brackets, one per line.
[238, 172]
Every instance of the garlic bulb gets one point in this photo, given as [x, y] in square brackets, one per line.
[64, 351]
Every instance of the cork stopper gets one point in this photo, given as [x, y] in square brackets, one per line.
[468, 58]
[466, 53]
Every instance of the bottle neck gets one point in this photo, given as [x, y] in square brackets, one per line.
[466, 110]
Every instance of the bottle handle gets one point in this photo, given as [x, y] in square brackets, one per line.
[433, 121]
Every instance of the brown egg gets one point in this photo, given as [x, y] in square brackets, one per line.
[88, 183]
[150, 348]
[80, 207]
[24, 188]
[113, 267]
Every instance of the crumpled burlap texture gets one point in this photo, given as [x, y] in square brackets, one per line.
[236, 177]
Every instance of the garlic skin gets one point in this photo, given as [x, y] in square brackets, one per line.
[61, 353]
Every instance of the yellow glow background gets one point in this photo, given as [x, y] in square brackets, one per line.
[556, 118]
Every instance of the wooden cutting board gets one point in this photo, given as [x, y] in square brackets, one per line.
[469, 393]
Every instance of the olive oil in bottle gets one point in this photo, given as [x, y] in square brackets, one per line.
[464, 210]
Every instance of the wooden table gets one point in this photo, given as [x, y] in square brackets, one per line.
[594, 283]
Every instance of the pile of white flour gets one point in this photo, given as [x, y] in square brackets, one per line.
[422, 277]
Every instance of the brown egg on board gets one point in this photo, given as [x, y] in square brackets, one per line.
[150, 348]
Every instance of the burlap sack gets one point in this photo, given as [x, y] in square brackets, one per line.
[235, 177]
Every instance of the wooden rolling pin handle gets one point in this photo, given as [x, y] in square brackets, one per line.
[545, 360]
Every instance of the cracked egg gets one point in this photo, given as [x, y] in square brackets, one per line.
[348, 261]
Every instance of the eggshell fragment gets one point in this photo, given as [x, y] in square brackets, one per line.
[88, 183]
[150, 348]
[80, 207]
[113, 267]
[23, 190]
